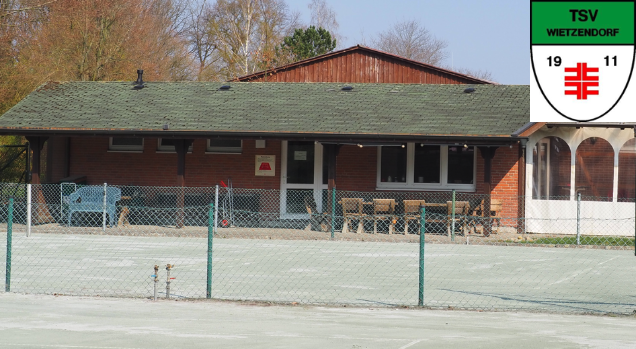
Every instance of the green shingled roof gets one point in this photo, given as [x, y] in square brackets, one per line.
[273, 108]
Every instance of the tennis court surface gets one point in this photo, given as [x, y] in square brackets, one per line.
[323, 272]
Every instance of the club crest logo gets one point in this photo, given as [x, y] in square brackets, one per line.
[582, 54]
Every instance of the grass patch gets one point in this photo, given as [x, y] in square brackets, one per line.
[585, 240]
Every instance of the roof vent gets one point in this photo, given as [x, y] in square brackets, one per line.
[469, 90]
[347, 88]
[225, 87]
[139, 84]
[166, 127]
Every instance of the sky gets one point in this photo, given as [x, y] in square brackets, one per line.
[491, 35]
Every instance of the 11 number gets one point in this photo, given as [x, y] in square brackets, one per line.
[607, 60]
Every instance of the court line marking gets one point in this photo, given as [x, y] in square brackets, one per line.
[411, 344]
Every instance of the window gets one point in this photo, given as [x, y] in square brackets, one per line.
[627, 171]
[225, 146]
[551, 157]
[595, 170]
[393, 168]
[167, 145]
[125, 144]
[421, 166]
[427, 165]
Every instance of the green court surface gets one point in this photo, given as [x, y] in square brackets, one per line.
[48, 322]
[528, 278]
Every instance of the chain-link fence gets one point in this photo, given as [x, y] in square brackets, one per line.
[310, 246]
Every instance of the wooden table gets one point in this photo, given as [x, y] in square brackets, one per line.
[435, 204]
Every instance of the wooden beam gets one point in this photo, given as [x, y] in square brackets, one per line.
[41, 214]
[37, 144]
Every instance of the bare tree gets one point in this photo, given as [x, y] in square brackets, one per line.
[20, 22]
[479, 74]
[201, 44]
[411, 40]
[323, 16]
[9, 8]
[246, 33]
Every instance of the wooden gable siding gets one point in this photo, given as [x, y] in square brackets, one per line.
[360, 67]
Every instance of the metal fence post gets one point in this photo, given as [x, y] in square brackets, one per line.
[29, 210]
[156, 276]
[333, 211]
[578, 219]
[7, 281]
[211, 223]
[422, 242]
[104, 209]
[453, 218]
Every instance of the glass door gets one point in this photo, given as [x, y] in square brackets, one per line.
[542, 170]
[302, 176]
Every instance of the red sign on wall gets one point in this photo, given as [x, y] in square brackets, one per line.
[265, 165]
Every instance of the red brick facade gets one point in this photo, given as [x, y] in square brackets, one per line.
[356, 167]
[90, 156]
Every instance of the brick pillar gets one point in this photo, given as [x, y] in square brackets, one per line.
[487, 153]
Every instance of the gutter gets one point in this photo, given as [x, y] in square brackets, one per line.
[620, 125]
[354, 138]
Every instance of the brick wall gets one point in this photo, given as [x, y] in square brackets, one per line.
[356, 167]
[90, 157]
[504, 179]
[56, 147]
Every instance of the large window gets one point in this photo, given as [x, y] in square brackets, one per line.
[167, 145]
[225, 146]
[393, 165]
[125, 144]
[552, 170]
[627, 171]
[421, 166]
[595, 170]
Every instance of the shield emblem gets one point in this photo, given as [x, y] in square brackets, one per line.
[582, 54]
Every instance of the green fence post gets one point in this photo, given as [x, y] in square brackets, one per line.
[453, 218]
[7, 281]
[422, 231]
[208, 293]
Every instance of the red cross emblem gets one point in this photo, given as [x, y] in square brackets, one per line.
[581, 81]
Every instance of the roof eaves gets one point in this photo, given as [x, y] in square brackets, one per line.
[528, 129]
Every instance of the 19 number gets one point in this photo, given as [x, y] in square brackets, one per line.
[556, 61]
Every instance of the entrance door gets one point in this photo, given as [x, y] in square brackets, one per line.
[302, 175]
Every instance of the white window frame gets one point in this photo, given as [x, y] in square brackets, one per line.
[125, 148]
[410, 169]
[223, 150]
[169, 148]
